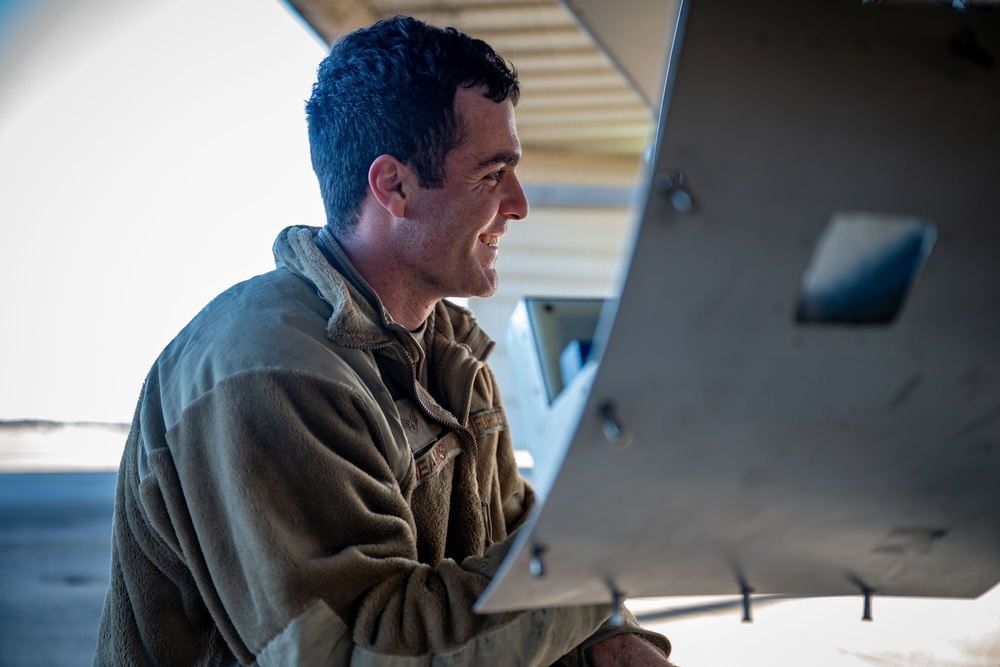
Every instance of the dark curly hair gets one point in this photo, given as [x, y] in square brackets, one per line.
[390, 89]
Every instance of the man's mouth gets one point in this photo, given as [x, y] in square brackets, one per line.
[490, 239]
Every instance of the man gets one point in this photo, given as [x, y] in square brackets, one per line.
[319, 470]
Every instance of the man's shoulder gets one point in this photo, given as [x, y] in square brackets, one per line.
[259, 317]
[274, 322]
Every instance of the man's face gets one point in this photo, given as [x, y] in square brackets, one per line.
[452, 232]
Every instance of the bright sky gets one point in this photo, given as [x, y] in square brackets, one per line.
[828, 632]
[149, 153]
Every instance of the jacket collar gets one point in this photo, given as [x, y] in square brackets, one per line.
[359, 319]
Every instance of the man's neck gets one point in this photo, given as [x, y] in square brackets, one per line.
[406, 307]
[405, 311]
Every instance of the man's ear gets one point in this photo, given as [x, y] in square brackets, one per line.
[390, 181]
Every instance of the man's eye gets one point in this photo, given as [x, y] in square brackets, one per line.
[496, 175]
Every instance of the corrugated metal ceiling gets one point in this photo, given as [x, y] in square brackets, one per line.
[574, 102]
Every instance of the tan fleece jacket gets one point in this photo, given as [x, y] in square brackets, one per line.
[290, 495]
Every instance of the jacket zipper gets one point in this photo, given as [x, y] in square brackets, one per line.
[426, 409]
[484, 507]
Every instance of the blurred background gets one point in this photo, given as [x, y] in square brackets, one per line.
[150, 153]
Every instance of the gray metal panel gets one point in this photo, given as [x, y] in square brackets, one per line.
[634, 36]
[796, 459]
[578, 196]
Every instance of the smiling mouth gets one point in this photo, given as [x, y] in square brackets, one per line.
[492, 240]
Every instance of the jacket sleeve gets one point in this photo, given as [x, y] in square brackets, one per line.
[281, 504]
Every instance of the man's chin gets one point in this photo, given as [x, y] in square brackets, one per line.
[490, 288]
[485, 290]
[485, 286]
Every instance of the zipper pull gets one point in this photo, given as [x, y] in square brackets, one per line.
[487, 522]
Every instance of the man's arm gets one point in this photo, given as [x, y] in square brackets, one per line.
[295, 529]
[626, 650]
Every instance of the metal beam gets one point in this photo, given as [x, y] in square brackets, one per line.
[554, 195]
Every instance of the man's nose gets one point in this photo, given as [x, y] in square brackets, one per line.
[515, 203]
